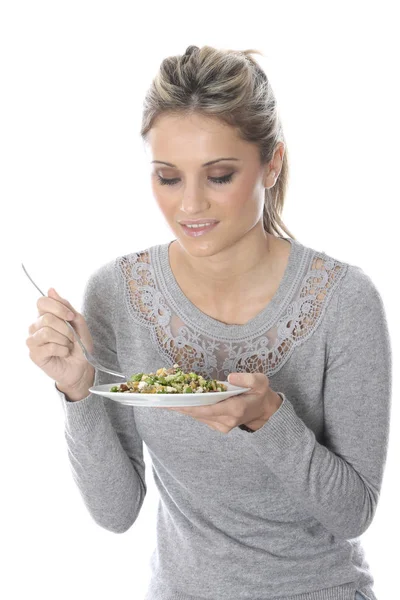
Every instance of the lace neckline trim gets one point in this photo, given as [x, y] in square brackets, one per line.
[299, 258]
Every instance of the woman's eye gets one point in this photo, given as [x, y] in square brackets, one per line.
[224, 179]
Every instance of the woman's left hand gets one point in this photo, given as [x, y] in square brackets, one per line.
[252, 408]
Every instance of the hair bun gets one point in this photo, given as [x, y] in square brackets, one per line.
[190, 50]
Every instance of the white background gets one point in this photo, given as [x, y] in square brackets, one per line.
[75, 193]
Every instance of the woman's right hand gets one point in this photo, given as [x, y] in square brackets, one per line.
[54, 348]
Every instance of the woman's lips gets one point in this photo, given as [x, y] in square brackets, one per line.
[196, 231]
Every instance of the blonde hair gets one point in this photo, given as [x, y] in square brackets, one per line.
[231, 86]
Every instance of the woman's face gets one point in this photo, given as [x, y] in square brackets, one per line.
[230, 191]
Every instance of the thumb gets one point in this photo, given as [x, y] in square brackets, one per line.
[53, 294]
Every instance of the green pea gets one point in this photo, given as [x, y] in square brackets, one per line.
[137, 377]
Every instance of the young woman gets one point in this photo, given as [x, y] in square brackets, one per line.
[264, 495]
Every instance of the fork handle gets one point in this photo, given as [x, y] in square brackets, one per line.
[96, 366]
[78, 339]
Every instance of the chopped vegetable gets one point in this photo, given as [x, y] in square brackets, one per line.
[169, 381]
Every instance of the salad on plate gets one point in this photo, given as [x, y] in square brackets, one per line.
[169, 381]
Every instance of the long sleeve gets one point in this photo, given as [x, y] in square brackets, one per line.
[104, 446]
[339, 483]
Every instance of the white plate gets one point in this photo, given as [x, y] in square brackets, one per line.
[137, 399]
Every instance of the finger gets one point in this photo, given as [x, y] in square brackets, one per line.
[251, 380]
[56, 295]
[47, 350]
[48, 320]
[221, 427]
[192, 411]
[195, 411]
[229, 407]
[46, 335]
[56, 305]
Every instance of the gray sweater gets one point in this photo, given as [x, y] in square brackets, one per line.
[274, 514]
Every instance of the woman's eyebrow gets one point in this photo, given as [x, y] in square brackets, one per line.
[211, 162]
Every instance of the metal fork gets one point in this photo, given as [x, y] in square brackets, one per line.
[89, 357]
